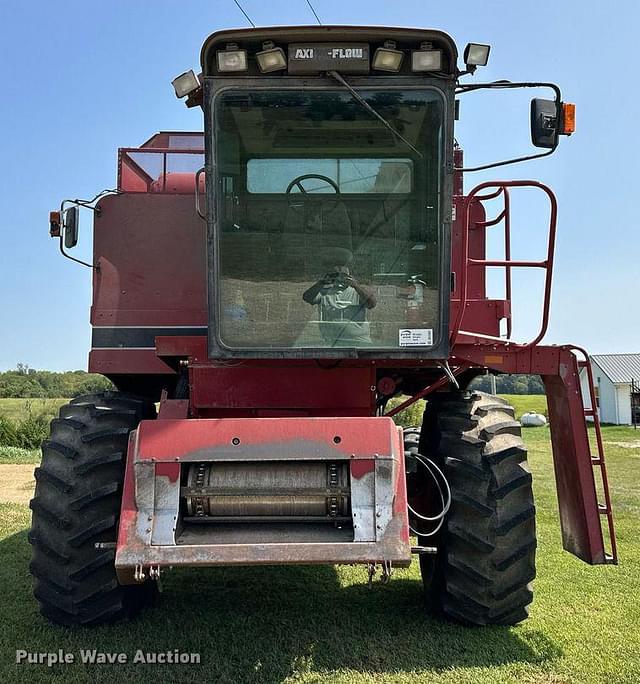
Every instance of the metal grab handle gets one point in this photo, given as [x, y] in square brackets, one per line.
[507, 263]
[200, 171]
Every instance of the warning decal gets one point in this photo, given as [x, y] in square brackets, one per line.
[415, 337]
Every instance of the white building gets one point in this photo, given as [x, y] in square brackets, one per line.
[613, 377]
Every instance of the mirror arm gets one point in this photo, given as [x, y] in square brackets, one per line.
[61, 236]
[502, 85]
[78, 261]
[87, 204]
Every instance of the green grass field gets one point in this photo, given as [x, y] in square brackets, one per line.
[527, 402]
[324, 625]
[16, 409]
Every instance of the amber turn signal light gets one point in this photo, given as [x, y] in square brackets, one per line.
[568, 118]
[54, 223]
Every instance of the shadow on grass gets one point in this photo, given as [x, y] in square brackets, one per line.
[261, 624]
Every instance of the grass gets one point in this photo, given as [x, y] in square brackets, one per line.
[17, 409]
[299, 624]
[10, 454]
[527, 402]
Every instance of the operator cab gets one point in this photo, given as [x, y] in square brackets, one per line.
[328, 191]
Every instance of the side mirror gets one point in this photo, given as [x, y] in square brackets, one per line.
[545, 122]
[70, 224]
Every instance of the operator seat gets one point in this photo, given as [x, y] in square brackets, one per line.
[323, 223]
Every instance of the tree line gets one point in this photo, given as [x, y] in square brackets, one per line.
[510, 384]
[28, 383]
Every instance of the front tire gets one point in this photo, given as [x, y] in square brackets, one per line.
[482, 572]
[77, 504]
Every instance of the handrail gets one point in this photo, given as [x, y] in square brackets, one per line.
[199, 172]
[507, 262]
[125, 158]
[506, 215]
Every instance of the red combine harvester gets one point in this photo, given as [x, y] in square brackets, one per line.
[272, 283]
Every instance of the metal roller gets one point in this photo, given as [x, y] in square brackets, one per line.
[267, 490]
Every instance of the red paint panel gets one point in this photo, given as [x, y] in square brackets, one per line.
[400, 503]
[357, 437]
[127, 524]
[579, 516]
[127, 361]
[152, 254]
[273, 387]
[477, 249]
[360, 467]
[170, 470]
[482, 316]
[194, 347]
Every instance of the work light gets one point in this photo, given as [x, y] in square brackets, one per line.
[387, 58]
[232, 59]
[476, 54]
[426, 58]
[271, 58]
[185, 83]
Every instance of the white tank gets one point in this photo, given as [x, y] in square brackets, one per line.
[532, 419]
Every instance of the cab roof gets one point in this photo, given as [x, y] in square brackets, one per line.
[253, 38]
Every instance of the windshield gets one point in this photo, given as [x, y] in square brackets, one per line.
[327, 222]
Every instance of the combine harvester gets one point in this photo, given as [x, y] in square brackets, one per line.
[272, 283]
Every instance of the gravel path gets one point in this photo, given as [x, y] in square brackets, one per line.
[16, 483]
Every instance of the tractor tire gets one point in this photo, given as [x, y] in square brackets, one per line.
[482, 572]
[77, 504]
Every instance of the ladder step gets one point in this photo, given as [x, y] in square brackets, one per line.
[597, 458]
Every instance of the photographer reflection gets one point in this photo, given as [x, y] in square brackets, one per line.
[342, 304]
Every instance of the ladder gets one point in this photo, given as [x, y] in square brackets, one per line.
[597, 460]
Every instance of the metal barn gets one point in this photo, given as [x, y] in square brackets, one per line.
[617, 386]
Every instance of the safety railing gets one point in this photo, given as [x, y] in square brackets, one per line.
[159, 170]
[502, 188]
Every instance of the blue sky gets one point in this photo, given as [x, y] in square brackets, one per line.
[81, 79]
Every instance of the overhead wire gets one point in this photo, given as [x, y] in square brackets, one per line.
[247, 17]
[315, 14]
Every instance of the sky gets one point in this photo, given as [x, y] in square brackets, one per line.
[81, 79]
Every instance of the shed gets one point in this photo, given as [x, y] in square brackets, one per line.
[617, 385]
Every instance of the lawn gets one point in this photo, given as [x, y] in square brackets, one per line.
[324, 625]
[527, 402]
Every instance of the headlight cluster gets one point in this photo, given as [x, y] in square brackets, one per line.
[387, 58]
[270, 58]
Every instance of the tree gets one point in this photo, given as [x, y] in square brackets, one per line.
[26, 382]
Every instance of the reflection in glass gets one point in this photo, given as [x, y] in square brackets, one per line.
[328, 224]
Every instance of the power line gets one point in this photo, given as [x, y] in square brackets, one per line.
[315, 14]
[247, 17]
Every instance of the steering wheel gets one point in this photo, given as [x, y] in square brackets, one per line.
[298, 182]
